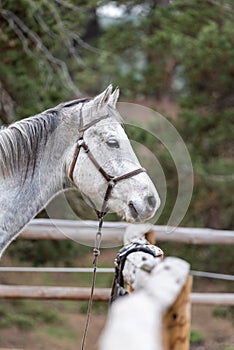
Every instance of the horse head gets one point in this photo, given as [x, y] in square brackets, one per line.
[101, 163]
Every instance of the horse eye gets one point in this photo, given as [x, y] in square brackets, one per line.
[112, 142]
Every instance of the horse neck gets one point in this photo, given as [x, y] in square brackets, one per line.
[24, 195]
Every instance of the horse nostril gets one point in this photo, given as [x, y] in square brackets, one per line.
[151, 201]
[133, 210]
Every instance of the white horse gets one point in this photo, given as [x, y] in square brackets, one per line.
[80, 144]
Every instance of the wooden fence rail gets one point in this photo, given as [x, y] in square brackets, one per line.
[52, 293]
[100, 294]
[113, 232]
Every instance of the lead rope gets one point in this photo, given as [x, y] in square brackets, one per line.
[96, 253]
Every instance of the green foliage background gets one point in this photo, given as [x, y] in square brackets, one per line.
[52, 51]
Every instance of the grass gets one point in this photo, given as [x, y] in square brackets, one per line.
[220, 311]
[99, 307]
[58, 336]
[9, 319]
[26, 315]
[61, 332]
[225, 312]
[196, 337]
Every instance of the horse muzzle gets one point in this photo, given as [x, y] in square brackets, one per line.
[141, 210]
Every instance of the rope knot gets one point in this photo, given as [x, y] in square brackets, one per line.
[96, 252]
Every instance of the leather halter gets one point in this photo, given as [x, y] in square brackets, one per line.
[111, 180]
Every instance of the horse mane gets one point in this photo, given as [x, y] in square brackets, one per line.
[19, 142]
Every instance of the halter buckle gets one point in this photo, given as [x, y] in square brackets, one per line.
[112, 182]
[80, 142]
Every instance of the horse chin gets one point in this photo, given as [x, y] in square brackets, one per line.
[132, 213]
[134, 220]
[126, 216]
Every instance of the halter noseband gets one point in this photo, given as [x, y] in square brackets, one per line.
[111, 180]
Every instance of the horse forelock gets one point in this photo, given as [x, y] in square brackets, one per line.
[20, 141]
[113, 113]
[90, 112]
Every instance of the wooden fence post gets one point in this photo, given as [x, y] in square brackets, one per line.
[157, 285]
[135, 322]
[176, 321]
[151, 236]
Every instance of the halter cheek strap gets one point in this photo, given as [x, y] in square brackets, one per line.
[81, 143]
[111, 180]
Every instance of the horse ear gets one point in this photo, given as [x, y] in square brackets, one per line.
[114, 98]
[103, 99]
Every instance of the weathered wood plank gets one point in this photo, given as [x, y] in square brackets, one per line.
[49, 292]
[101, 294]
[177, 320]
[212, 298]
[113, 232]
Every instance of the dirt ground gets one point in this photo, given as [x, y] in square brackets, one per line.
[218, 334]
